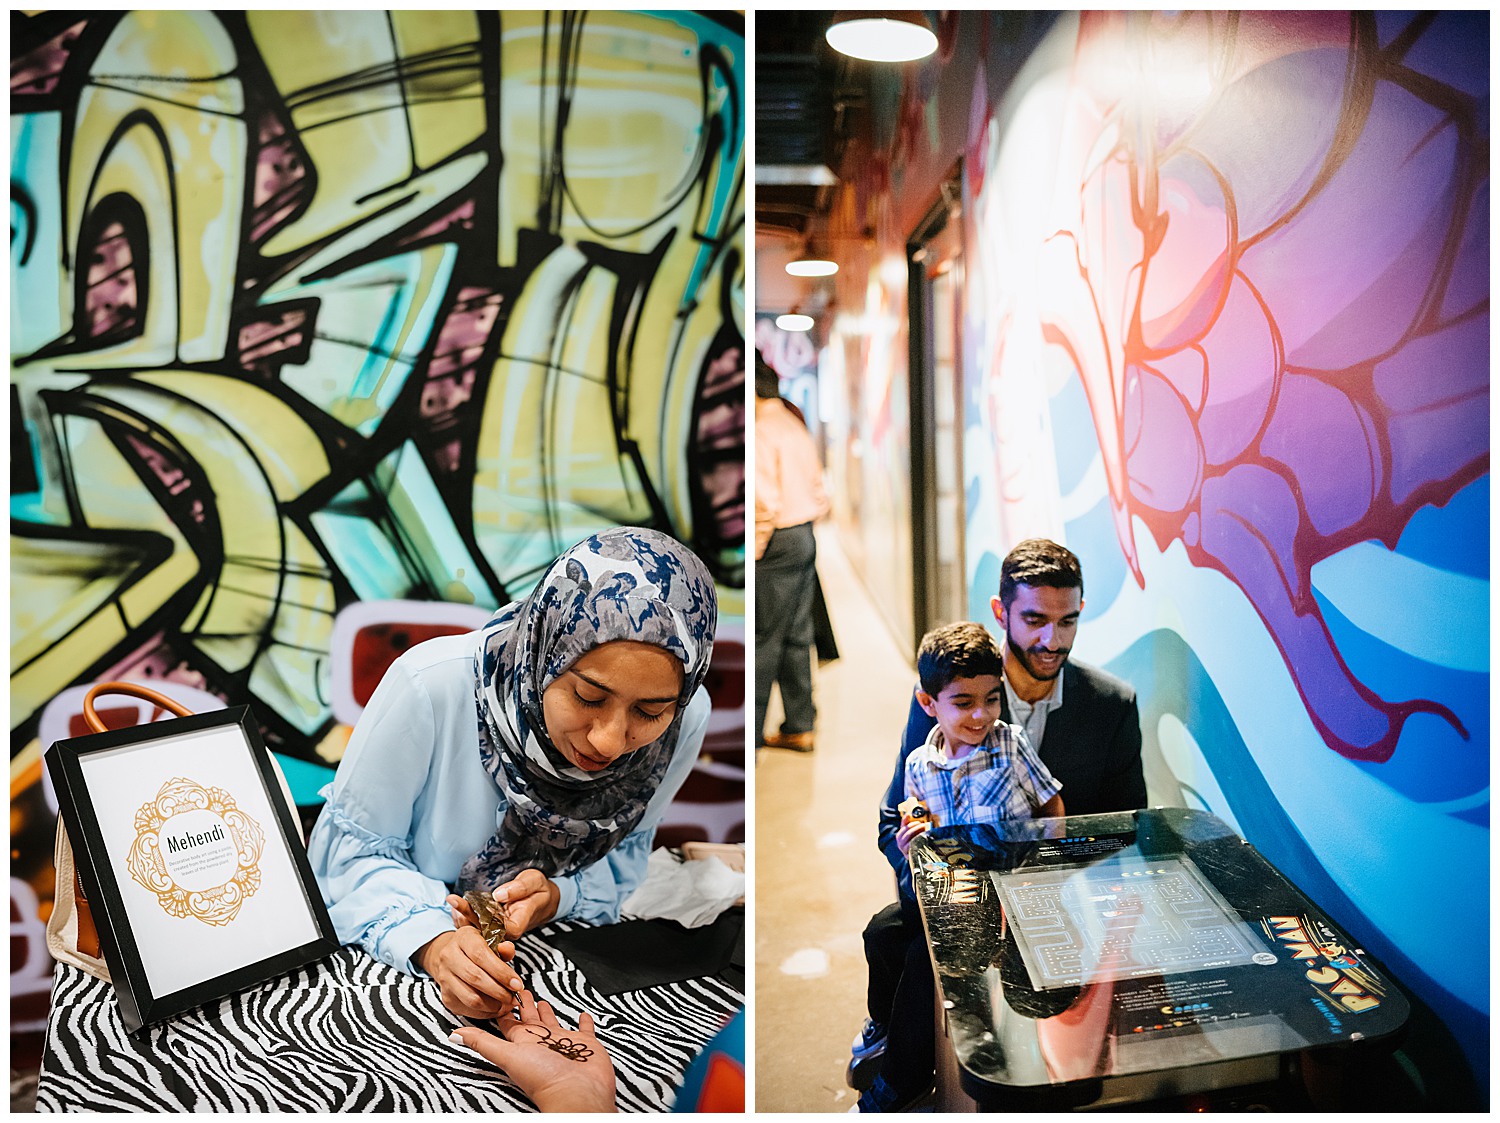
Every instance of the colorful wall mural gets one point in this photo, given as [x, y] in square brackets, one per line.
[1227, 336]
[313, 310]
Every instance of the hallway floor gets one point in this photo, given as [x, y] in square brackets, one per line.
[818, 875]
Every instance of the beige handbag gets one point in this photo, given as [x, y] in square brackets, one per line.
[71, 934]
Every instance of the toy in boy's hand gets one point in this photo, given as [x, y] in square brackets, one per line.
[913, 810]
[491, 915]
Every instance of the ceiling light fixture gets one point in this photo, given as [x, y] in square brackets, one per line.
[794, 175]
[882, 36]
[811, 267]
[794, 322]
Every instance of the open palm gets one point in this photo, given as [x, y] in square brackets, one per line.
[559, 1069]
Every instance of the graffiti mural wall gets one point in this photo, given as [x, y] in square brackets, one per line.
[312, 310]
[1227, 336]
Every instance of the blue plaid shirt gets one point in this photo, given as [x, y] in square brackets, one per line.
[1001, 779]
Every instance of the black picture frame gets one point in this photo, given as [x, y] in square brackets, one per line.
[194, 943]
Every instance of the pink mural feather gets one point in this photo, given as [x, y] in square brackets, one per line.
[1274, 366]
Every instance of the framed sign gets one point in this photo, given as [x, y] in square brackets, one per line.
[191, 859]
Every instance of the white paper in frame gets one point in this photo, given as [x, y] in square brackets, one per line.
[193, 863]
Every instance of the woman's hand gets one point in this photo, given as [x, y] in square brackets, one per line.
[530, 900]
[464, 916]
[559, 1069]
[909, 830]
[474, 981]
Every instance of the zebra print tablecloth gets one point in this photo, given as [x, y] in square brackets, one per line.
[351, 1034]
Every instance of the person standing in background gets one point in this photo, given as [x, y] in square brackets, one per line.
[789, 496]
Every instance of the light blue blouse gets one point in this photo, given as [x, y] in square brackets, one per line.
[411, 801]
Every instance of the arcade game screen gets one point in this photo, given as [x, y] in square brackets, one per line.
[1122, 918]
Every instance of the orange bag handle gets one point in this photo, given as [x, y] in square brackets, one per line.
[96, 723]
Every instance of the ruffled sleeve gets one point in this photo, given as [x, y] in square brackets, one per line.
[361, 846]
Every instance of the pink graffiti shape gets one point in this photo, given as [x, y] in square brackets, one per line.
[1269, 297]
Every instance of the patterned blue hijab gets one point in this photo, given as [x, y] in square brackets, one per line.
[622, 584]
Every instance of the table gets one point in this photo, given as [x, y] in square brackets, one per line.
[351, 1034]
[1131, 957]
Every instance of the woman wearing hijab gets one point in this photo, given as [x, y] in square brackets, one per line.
[532, 758]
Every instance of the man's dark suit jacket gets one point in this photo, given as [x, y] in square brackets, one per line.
[1092, 744]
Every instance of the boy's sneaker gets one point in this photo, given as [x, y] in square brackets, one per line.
[868, 1056]
[881, 1097]
[870, 1042]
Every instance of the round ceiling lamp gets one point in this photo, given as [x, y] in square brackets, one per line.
[811, 267]
[794, 322]
[882, 36]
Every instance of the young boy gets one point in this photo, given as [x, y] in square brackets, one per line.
[974, 768]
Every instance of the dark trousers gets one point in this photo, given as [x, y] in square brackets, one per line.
[901, 996]
[785, 579]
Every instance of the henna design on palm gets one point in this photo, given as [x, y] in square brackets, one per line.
[572, 1050]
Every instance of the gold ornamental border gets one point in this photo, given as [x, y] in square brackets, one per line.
[148, 865]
